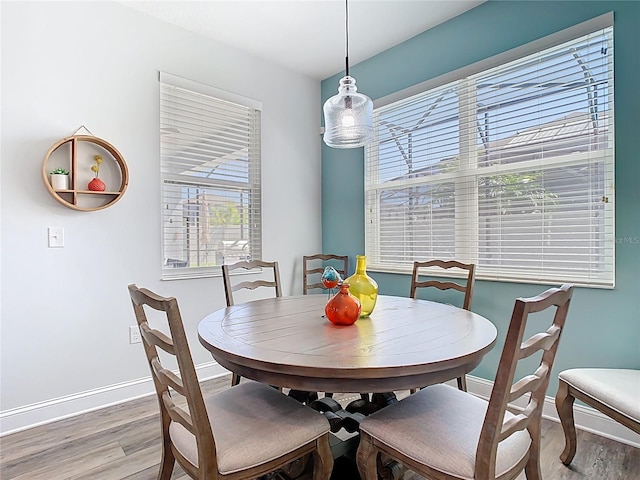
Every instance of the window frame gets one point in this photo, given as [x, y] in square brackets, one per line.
[463, 250]
[207, 186]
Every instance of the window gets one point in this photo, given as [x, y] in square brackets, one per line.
[508, 166]
[210, 173]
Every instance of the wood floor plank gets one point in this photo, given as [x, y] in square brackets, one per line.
[142, 460]
[76, 466]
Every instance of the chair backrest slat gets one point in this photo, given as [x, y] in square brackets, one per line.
[540, 341]
[314, 265]
[466, 288]
[178, 414]
[495, 428]
[252, 285]
[441, 285]
[517, 422]
[168, 377]
[156, 338]
[529, 383]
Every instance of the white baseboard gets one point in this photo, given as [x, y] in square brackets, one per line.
[22, 418]
[29, 416]
[586, 418]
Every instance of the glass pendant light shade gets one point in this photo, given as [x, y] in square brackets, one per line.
[348, 117]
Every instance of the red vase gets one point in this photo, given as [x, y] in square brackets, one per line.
[96, 185]
[343, 308]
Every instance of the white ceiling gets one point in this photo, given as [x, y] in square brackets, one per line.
[307, 36]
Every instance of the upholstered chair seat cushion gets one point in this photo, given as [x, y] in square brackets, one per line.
[253, 424]
[619, 389]
[439, 426]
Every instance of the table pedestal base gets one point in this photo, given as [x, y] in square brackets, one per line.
[345, 425]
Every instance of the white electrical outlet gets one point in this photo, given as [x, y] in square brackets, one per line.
[134, 335]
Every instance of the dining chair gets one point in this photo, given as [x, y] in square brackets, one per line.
[314, 265]
[417, 281]
[230, 287]
[444, 433]
[240, 433]
[615, 392]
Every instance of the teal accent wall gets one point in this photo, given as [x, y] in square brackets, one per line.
[603, 327]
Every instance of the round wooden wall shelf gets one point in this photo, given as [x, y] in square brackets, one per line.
[76, 155]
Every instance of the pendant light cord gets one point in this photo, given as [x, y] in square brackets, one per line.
[346, 27]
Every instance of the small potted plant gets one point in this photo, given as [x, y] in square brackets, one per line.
[60, 179]
[96, 184]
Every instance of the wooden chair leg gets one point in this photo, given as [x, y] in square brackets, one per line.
[564, 406]
[462, 383]
[367, 458]
[167, 463]
[235, 379]
[532, 469]
[322, 459]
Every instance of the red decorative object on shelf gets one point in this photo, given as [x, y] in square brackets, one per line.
[343, 308]
[96, 185]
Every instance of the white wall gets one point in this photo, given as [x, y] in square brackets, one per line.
[66, 312]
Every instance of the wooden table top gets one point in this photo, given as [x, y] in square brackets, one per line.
[405, 343]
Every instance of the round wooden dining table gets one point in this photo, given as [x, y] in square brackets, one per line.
[405, 343]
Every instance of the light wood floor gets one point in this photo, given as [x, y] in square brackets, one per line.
[123, 442]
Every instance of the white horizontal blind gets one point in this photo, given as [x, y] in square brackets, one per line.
[210, 173]
[510, 168]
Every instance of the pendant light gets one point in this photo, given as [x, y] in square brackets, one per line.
[348, 116]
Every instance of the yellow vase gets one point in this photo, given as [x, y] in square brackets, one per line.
[363, 287]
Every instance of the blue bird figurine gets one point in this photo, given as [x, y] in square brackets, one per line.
[330, 278]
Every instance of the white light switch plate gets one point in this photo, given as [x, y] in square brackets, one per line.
[56, 237]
